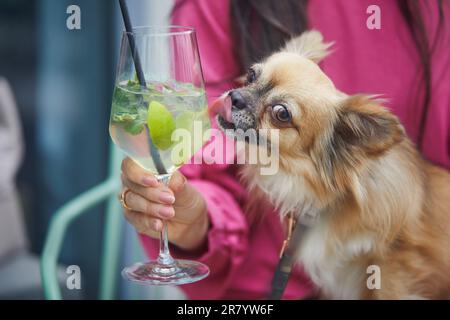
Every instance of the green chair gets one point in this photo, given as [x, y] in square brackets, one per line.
[105, 191]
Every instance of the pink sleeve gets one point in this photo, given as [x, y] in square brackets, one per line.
[227, 242]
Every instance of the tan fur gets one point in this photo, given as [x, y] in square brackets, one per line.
[310, 45]
[346, 162]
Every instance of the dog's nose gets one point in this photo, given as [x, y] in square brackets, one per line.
[237, 100]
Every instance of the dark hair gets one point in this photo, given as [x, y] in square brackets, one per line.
[262, 26]
[411, 13]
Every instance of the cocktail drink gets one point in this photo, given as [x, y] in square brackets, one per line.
[172, 116]
[160, 122]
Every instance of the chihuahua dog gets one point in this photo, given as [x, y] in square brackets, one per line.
[346, 169]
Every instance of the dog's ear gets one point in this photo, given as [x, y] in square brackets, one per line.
[310, 45]
[363, 123]
[362, 130]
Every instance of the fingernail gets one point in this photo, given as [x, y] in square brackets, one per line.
[167, 212]
[167, 198]
[157, 225]
[150, 181]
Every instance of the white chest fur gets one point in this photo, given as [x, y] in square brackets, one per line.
[330, 266]
[286, 194]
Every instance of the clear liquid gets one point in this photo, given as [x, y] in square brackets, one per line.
[184, 124]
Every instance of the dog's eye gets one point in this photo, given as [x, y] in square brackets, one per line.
[281, 113]
[251, 76]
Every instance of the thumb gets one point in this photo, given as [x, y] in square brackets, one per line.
[187, 198]
[178, 184]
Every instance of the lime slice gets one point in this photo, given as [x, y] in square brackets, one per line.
[182, 151]
[185, 120]
[160, 124]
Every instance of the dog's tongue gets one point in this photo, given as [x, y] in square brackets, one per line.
[222, 106]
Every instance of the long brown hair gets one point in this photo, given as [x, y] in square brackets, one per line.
[262, 26]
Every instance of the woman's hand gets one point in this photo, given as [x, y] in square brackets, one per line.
[150, 202]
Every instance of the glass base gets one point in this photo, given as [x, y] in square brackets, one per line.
[155, 273]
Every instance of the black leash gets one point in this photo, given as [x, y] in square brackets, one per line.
[287, 258]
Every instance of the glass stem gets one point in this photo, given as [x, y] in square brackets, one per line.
[164, 256]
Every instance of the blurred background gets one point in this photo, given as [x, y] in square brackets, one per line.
[58, 84]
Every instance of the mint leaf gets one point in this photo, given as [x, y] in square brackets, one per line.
[133, 127]
[127, 109]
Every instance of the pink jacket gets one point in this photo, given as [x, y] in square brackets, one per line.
[242, 256]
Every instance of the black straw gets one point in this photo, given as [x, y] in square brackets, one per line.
[141, 78]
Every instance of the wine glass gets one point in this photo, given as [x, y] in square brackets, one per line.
[159, 119]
